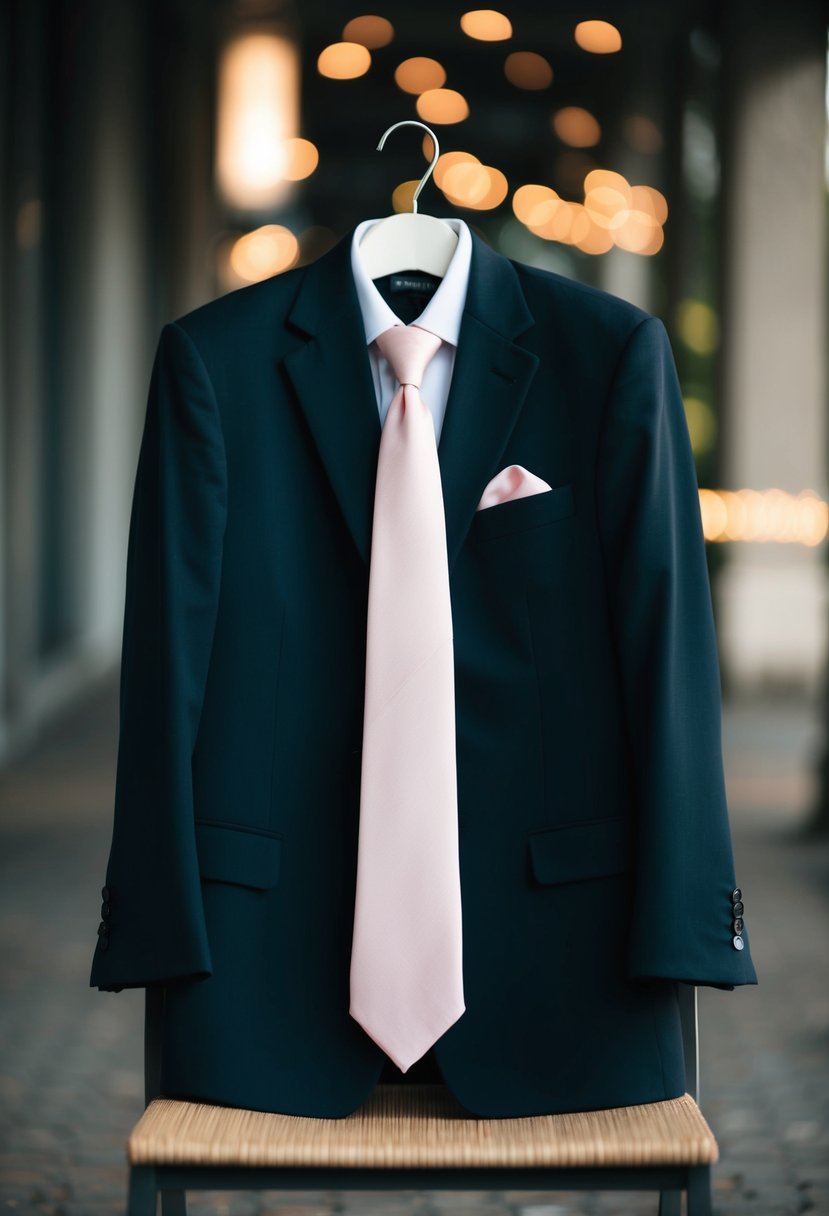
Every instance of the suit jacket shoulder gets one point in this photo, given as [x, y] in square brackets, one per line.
[253, 310]
[579, 307]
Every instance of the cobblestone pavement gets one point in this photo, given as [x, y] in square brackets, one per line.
[70, 1068]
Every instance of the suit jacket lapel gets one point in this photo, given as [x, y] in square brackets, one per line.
[490, 380]
[331, 375]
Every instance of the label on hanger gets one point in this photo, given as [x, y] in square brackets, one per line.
[423, 285]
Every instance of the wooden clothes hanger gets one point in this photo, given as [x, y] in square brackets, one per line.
[408, 240]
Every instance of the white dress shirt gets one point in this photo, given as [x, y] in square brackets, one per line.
[441, 316]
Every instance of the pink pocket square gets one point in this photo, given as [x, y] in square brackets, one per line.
[512, 482]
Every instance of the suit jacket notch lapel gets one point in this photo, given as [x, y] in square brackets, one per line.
[490, 381]
[331, 375]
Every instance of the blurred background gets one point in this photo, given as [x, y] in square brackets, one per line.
[156, 155]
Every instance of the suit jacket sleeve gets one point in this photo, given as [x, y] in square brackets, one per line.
[157, 929]
[662, 622]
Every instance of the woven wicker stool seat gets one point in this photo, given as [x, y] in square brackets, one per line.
[418, 1137]
[421, 1125]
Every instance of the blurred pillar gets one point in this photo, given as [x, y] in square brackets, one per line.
[75, 349]
[112, 337]
[772, 598]
[24, 86]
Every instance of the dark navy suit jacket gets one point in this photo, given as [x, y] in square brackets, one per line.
[596, 858]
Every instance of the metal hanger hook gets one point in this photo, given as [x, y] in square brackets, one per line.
[410, 122]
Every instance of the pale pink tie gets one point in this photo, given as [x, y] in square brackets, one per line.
[406, 972]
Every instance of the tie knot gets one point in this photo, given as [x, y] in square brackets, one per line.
[408, 349]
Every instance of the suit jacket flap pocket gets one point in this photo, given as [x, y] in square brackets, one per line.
[573, 852]
[245, 856]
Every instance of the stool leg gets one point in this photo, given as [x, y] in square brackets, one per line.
[142, 1191]
[173, 1203]
[670, 1203]
[699, 1191]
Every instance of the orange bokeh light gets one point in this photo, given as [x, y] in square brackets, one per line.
[634, 231]
[446, 160]
[402, 198]
[442, 106]
[496, 192]
[418, 74]
[576, 126]
[264, 252]
[598, 37]
[468, 183]
[343, 61]
[486, 25]
[369, 31]
[465, 183]
[527, 202]
[527, 70]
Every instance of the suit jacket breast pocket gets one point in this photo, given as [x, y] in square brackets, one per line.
[526, 539]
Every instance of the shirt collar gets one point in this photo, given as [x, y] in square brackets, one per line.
[442, 315]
